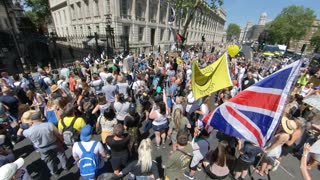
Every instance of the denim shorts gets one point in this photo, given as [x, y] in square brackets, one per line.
[160, 127]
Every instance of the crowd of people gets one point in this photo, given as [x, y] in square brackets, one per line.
[106, 111]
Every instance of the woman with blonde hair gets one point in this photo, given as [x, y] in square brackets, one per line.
[179, 122]
[144, 167]
[38, 101]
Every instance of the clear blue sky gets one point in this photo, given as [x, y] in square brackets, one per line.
[242, 11]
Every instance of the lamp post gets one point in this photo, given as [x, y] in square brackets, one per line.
[109, 34]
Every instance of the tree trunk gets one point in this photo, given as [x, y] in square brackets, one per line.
[189, 19]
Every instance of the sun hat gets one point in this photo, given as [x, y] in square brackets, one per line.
[288, 125]
[10, 169]
[85, 133]
[120, 79]
[54, 88]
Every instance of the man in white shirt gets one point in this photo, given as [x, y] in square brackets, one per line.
[65, 71]
[87, 143]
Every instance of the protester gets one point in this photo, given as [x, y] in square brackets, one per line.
[144, 167]
[215, 162]
[180, 159]
[118, 144]
[106, 121]
[200, 146]
[14, 171]
[46, 138]
[82, 151]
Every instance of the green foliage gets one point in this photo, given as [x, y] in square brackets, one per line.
[233, 31]
[40, 11]
[292, 24]
[187, 8]
[315, 39]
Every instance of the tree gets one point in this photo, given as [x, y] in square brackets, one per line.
[291, 24]
[39, 13]
[188, 8]
[233, 31]
[315, 40]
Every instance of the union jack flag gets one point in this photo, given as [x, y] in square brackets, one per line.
[254, 113]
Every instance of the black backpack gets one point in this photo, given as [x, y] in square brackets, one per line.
[70, 135]
[43, 85]
[22, 96]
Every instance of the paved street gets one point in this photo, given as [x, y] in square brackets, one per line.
[38, 169]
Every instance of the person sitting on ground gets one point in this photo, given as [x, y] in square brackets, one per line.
[144, 167]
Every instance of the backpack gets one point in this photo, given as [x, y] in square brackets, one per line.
[88, 163]
[43, 85]
[19, 92]
[70, 135]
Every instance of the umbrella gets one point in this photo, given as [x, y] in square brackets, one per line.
[313, 101]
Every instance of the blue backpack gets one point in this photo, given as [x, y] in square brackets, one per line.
[88, 163]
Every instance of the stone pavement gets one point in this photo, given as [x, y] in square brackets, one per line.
[38, 170]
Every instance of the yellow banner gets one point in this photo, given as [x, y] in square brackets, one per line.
[211, 78]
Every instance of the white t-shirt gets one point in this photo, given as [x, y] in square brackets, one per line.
[106, 125]
[121, 110]
[98, 150]
[23, 85]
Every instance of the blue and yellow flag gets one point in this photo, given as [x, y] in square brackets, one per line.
[210, 79]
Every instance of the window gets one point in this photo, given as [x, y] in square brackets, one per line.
[141, 31]
[124, 8]
[163, 13]
[96, 8]
[64, 17]
[161, 34]
[107, 5]
[169, 35]
[98, 29]
[89, 30]
[153, 8]
[72, 11]
[79, 10]
[140, 10]
[126, 30]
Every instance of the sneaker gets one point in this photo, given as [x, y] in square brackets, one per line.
[163, 146]
[187, 174]
[158, 146]
[275, 166]
[199, 168]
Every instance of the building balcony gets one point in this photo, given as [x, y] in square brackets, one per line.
[153, 21]
[141, 18]
[125, 16]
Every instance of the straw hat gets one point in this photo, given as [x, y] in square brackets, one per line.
[288, 125]
[120, 79]
[54, 88]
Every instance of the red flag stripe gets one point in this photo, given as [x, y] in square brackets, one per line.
[263, 100]
[245, 123]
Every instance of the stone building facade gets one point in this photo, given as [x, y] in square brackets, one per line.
[144, 22]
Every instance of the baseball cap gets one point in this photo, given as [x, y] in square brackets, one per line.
[85, 133]
[10, 169]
